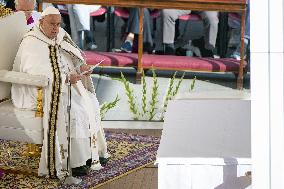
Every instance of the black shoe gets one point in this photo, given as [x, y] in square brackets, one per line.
[180, 51]
[89, 162]
[159, 52]
[103, 161]
[148, 47]
[210, 53]
[169, 49]
[80, 171]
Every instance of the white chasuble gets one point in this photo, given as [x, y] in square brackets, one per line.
[56, 59]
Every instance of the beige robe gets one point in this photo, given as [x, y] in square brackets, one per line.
[56, 59]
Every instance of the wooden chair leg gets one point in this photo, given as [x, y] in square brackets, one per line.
[138, 77]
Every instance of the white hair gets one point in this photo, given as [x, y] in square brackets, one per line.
[17, 1]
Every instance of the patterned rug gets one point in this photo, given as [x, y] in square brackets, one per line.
[128, 153]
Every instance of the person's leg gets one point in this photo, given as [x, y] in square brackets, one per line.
[169, 17]
[82, 19]
[247, 30]
[103, 153]
[236, 53]
[91, 44]
[98, 141]
[80, 153]
[147, 33]
[74, 30]
[210, 20]
[133, 21]
[133, 28]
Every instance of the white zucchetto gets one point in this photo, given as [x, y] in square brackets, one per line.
[49, 10]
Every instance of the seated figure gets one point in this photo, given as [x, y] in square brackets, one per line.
[49, 51]
[28, 7]
[79, 15]
[133, 28]
[210, 20]
[237, 54]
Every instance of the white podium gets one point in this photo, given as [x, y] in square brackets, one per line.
[205, 143]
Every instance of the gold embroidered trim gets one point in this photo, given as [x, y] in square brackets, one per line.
[39, 106]
[32, 150]
[5, 11]
[31, 35]
[68, 40]
[94, 141]
[62, 151]
[53, 115]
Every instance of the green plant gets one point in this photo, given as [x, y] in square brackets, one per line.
[148, 111]
[169, 90]
[108, 105]
[192, 84]
[144, 93]
[171, 93]
[178, 85]
[130, 95]
[153, 102]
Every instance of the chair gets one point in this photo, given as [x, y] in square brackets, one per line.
[121, 12]
[124, 13]
[235, 17]
[16, 124]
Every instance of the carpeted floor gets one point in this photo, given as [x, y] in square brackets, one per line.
[128, 153]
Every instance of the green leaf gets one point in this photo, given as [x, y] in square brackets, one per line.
[153, 100]
[144, 93]
[108, 105]
[192, 84]
[130, 94]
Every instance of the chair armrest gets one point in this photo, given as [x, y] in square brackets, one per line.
[23, 78]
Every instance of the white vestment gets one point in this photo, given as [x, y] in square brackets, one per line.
[79, 15]
[56, 59]
[36, 17]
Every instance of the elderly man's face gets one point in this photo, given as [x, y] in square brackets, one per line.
[27, 6]
[50, 25]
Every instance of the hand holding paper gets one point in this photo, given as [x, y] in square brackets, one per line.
[92, 68]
